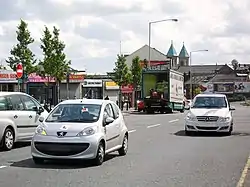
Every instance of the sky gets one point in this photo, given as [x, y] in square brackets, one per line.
[95, 31]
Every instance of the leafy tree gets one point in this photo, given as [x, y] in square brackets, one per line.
[54, 62]
[122, 75]
[136, 71]
[21, 52]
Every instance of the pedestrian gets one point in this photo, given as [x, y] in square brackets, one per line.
[106, 98]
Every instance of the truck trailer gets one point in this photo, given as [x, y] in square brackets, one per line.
[162, 89]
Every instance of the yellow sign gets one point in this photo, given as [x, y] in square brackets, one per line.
[111, 83]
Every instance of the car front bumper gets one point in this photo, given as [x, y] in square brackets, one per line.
[52, 147]
[208, 127]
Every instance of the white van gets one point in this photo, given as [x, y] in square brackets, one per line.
[19, 114]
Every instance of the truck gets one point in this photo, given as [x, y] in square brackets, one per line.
[162, 89]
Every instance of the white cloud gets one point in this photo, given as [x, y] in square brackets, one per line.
[93, 29]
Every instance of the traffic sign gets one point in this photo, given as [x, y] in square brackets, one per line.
[19, 70]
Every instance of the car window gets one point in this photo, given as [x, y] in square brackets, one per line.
[3, 104]
[82, 113]
[16, 102]
[36, 102]
[116, 110]
[28, 103]
[108, 111]
[210, 102]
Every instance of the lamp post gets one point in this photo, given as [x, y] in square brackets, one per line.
[190, 70]
[149, 34]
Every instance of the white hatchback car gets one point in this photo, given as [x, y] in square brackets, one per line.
[80, 129]
[209, 112]
[19, 114]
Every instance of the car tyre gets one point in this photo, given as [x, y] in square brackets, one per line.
[99, 159]
[38, 160]
[8, 139]
[124, 149]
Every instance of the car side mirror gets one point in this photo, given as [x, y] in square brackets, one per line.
[232, 108]
[108, 120]
[41, 119]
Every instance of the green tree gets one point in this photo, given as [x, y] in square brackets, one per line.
[55, 63]
[122, 75]
[136, 71]
[21, 51]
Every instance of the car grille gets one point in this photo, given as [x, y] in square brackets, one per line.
[207, 128]
[207, 118]
[61, 149]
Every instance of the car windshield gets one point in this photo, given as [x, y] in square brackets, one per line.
[82, 113]
[210, 102]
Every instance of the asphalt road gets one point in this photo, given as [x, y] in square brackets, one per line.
[159, 155]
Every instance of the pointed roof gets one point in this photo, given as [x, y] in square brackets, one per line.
[183, 53]
[172, 51]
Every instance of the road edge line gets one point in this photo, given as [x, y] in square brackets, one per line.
[244, 173]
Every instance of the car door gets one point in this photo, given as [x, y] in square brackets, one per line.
[118, 125]
[31, 109]
[111, 130]
[19, 116]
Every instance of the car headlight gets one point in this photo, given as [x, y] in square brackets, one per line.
[88, 131]
[224, 119]
[190, 118]
[41, 130]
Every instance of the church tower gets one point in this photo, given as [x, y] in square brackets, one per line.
[183, 57]
[173, 56]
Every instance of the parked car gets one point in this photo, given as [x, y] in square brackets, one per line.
[209, 112]
[80, 129]
[19, 114]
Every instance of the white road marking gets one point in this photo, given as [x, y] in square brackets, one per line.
[131, 131]
[244, 173]
[175, 120]
[156, 125]
[1, 167]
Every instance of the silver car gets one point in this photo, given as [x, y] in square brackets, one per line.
[80, 129]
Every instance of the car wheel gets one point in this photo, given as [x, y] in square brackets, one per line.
[100, 155]
[8, 139]
[38, 160]
[124, 149]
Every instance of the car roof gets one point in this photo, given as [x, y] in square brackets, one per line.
[211, 95]
[86, 101]
[11, 93]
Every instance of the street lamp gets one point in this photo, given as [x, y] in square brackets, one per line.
[190, 70]
[149, 34]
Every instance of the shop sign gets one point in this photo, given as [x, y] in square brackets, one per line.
[74, 78]
[111, 85]
[92, 83]
[33, 77]
[127, 89]
[8, 77]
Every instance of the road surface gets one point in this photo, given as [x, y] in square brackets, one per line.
[159, 155]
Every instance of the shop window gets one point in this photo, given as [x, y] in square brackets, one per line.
[4, 87]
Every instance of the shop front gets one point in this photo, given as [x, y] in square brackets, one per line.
[8, 81]
[127, 94]
[111, 90]
[74, 88]
[92, 88]
[42, 88]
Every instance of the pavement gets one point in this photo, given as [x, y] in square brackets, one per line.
[160, 155]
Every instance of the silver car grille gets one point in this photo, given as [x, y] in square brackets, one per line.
[207, 118]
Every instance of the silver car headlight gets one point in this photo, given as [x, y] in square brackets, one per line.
[190, 118]
[41, 130]
[88, 131]
[224, 119]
